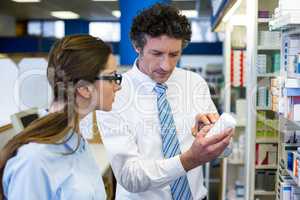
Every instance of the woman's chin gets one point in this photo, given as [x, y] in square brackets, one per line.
[106, 109]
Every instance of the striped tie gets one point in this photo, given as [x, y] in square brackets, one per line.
[180, 188]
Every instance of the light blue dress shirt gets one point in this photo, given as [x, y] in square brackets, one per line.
[43, 172]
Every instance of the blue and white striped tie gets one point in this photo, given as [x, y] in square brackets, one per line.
[180, 187]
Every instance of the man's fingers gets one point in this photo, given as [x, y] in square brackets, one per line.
[206, 128]
[204, 119]
[220, 146]
[213, 117]
[229, 131]
[217, 115]
[201, 121]
[213, 139]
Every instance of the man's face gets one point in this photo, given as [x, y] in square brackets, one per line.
[159, 57]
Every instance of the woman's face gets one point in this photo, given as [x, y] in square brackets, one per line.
[106, 89]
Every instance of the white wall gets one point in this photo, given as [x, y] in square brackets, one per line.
[24, 85]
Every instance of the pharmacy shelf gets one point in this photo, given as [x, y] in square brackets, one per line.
[291, 144]
[221, 7]
[241, 124]
[267, 75]
[263, 20]
[266, 140]
[264, 193]
[288, 124]
[284, 22]
[235, 162]
[273, 126]
[294, 75]
[271, 48]
[291, 175]
[265, 167]
[262, 108]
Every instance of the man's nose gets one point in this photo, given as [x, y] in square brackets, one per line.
[166, 64]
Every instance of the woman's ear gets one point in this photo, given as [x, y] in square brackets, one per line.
[84, 91]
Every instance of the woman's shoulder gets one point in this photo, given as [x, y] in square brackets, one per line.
[31, 154]
[28, 154]
[27, 165]
[33, 150]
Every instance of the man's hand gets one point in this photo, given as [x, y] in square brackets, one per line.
[205, 121]
[205, 149]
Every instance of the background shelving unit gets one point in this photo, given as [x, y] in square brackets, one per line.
[262, 133]
[264, 127]
[289, 125]
[231, 20]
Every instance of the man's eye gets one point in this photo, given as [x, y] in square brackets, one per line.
[174, 55]
[156, 54]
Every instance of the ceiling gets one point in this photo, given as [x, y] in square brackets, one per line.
[87, 9]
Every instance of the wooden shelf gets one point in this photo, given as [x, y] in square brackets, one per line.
[263, 108]
[267, 141]
[241, 124]
[6, 127]
[291, 144]
[263, 20]
[265, 167]
[235, 162]
[272, 48]
[264, 193]
[272, 75]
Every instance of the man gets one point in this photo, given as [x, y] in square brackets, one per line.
[153, 152]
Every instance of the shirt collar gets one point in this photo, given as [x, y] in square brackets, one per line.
[71, 141]
[143, 79]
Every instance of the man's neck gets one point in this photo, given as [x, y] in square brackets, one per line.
[141, 69]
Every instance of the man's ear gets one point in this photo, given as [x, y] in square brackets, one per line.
[84, 91]
[137, 49]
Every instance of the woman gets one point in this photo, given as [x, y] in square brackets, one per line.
[50, 159]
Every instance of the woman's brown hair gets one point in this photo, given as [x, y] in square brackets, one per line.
[71, 59]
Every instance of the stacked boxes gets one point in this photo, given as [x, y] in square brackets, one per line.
[266, 154]
[263, 93]
[261, 65]
[291, 92]
[287, 7]
[266, 127]
[276, 62]
[291, 137]
[265, 180]
[263, 96]
[267, 63]
[289, 190]
[275, 93]
[266, 38]
[238, 68]
[263, 14]
[291, 55]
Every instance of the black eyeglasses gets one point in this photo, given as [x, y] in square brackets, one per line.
[115, 77]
